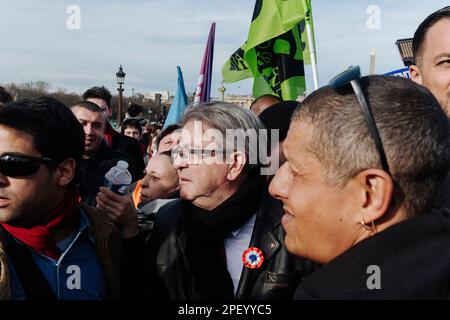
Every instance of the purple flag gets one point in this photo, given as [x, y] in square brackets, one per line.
[203, 92]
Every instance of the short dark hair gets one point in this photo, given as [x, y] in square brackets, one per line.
[278, 117]
[166, 131]
[131, 123]
[135, 109]
[56, 132]
[5, 97]
[87, 105]
[420, 34]
[98, 93]
[413, 127]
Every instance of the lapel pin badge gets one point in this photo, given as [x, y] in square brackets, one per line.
[252, 258]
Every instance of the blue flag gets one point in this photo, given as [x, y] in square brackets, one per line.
[179, 104]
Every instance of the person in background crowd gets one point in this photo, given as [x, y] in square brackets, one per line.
[5, 97]
[146, 133]
[116, 141]
[152, 131]
[370, 222]
[168, 138]
[263, 102]
[277, 117]
[157, 188]
[156, 132]
[160, 182]
[165, 142]
[136, 111]
[132, 128]
[431, 49]
[98, 158]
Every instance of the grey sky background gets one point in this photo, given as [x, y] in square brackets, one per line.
[151, 37]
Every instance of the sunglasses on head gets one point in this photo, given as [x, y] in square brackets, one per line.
[352, 75]
[21, 165]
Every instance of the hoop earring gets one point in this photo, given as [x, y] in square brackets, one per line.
[372, 228]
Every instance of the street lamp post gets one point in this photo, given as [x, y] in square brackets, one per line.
[120, 81]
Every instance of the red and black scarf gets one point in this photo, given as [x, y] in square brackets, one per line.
[40, 236]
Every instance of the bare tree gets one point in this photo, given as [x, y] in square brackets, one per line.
[34, 89]
[31, 89]
[68, 98]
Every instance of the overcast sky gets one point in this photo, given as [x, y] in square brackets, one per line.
[150, 38]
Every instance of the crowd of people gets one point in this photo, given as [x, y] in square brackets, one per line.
[357, 208]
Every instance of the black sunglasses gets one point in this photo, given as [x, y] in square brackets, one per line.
[352, 75]
[20, 165]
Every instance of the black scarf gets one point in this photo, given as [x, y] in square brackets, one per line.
[205, 231]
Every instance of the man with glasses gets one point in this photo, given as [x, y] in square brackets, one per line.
[363, 167]
[223, 239]
[51, 247]
[431, 68]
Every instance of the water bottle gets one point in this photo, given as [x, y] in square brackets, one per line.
[118, 178]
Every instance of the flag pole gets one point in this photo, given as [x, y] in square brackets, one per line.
[312, 52]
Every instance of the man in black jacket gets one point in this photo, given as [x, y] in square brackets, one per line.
[223, 238]
[98, 158]
[358, 190]
[116, 141]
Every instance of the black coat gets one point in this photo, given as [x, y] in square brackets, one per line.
[413, 259]
[444, 195]
[277, 278]
[92, 171]
[128, 145]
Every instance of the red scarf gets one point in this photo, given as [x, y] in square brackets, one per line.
[109, 133]
[41, 236]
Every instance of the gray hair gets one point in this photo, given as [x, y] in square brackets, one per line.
[413, 127]
[234, 122]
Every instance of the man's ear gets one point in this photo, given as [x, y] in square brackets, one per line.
[378, 188]
[65, 172]
[415, 74]
[236, 164]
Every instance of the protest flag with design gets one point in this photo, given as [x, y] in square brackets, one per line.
[274, 50]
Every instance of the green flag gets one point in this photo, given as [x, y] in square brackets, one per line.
[273, 53]
[236, 69]
[272, 18]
